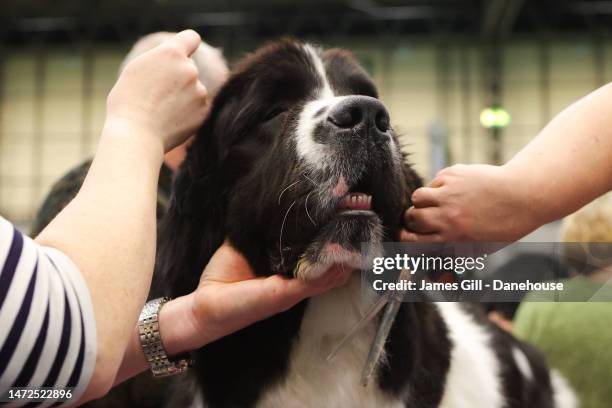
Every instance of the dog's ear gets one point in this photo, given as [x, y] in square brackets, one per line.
[412, 181]
[194, 226]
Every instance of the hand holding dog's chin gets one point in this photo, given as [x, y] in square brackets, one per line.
[230, 297]
[480, 203]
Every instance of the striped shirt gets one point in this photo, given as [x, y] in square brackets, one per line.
[47, 327]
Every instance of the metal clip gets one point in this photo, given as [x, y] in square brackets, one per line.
[390, 300]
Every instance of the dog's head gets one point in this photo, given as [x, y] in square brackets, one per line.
[297, 164]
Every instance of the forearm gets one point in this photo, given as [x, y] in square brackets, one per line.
[569, 163]
[134, 361]
[98, 231]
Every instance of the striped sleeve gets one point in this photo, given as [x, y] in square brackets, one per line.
[47, 326]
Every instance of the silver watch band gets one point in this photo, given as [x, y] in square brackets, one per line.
[150, 340]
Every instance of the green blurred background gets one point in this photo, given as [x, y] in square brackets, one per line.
[437, 64]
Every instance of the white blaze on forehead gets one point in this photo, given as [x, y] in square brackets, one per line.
[325, 90]
[319, 155]
[314, 153]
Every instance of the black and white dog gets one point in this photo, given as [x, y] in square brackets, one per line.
[297, 165]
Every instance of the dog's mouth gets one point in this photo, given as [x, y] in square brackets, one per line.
[356, 196]
[352, 221]
[356, 201]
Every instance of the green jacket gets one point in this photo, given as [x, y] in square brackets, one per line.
[576, 338]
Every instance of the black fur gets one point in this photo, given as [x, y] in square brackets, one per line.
[230, 185]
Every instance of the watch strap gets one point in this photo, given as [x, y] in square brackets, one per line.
[152, 346]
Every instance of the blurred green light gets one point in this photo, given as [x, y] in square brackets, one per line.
[494, 117]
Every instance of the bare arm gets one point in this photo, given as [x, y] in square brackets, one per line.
[566, 166]
[108, 230]
[570, 162]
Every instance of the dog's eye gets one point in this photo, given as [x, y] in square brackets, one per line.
[273, 114]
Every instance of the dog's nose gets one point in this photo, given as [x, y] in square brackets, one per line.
[355, 111]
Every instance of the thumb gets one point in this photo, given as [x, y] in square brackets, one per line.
[227, 265]
[187, 41]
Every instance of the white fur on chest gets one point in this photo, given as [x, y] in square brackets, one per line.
[311, 380]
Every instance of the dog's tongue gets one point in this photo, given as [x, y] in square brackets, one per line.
[355, 201]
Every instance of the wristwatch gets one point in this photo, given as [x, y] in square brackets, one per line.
[150, 340]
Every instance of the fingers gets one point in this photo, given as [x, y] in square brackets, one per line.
[422, 225]
[436, 182]
[423, 220]
[283, 293]
[336, 276]
[221, 308]
[187, 41]
[278, 294]
[233, 297]
[408, 236]
[202, 92]
[425, 197]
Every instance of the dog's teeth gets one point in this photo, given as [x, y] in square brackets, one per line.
[356, 201]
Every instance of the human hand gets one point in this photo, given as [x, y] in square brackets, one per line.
[230, 297]
[469, 203]
[158, 94]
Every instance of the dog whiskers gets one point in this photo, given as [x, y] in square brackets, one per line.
[306, 207]
[287, 188]
[280, 239]
[309, 179]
